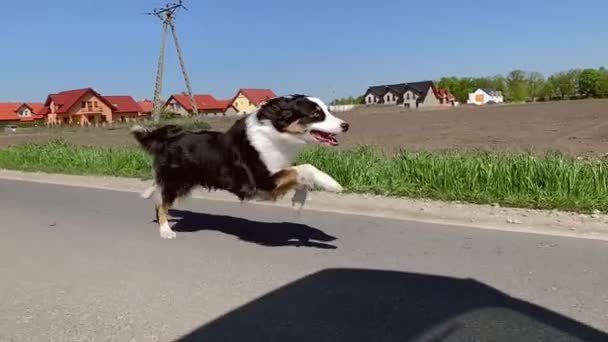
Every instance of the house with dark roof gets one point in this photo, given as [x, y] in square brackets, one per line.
[248, 100]
[205, 104]
[410, 95]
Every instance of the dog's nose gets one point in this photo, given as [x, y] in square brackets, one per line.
[344, 126]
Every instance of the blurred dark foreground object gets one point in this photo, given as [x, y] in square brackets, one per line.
[370, 305]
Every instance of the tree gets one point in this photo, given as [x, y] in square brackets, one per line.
[563, 84]
[499, 83]
[575, 76]
[348, 100]
[516, 86]
[589, 82]
[603, 82]
[536, 85]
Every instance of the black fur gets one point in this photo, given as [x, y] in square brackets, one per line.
[282, 111]
[185, 159]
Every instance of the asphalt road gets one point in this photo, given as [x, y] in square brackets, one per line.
[79, 264]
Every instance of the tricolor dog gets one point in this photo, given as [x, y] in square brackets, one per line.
[253, 160]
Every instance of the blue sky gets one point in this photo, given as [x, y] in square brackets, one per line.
[329, 48]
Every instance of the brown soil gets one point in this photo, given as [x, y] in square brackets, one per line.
[575, 127]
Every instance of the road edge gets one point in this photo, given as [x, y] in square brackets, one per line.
[544, 222]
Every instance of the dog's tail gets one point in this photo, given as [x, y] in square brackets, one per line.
[154, 141]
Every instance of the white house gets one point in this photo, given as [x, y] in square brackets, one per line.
[482, 96]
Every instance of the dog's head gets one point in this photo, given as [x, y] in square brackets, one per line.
[302, 119]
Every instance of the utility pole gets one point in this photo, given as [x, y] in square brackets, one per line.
[167, 16]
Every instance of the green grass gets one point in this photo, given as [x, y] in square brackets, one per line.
[516, 179]
[58, 156]
[510, 179]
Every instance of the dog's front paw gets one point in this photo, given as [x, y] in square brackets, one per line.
[167, 233]
[333, 186]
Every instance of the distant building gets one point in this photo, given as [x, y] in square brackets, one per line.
[482, 96]
[146, 107]
[205, 104]
[125, 108]
[247, 100]
[20, 111]
[409, 95]
[82, 106]
[85, 106]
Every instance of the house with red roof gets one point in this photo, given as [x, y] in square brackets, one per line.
[82, 106]
[20, 111]
[85, 106]
[147, 106]
[247, 100]
[124, 108]
[205, 104]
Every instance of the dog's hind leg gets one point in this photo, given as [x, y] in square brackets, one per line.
[162, 214]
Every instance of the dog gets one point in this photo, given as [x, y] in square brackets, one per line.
[254, 159]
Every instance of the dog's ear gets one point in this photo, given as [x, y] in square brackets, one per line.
[279, 111]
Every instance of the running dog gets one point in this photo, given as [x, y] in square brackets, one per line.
[253, 160]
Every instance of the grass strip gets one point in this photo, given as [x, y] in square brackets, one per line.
[520, 179]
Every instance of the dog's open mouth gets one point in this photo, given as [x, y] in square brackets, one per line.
[324, 137]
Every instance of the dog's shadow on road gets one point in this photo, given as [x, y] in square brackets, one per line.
[271, 234]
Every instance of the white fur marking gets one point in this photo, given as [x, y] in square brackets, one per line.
[331, 124]
[166, 232]
[148, 192]
[312, 176]
[138, 128]
[277, 150]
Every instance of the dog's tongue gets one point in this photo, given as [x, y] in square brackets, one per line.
[325, 138]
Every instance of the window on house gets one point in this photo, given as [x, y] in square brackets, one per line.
[407, 96]
[95, 104]
[84, 104]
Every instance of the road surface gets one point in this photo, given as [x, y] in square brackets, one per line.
[80, 264]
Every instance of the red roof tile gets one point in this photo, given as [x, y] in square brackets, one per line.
[8, 111]
[224, 103]
[146, 106]
[123, 104]
[257, 96]
[203, 101]
[35, 106]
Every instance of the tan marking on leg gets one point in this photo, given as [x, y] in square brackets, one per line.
[165, 230]
[285, 180]
[162, 213]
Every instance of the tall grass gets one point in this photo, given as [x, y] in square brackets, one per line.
[512, 179]
[58, 156]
